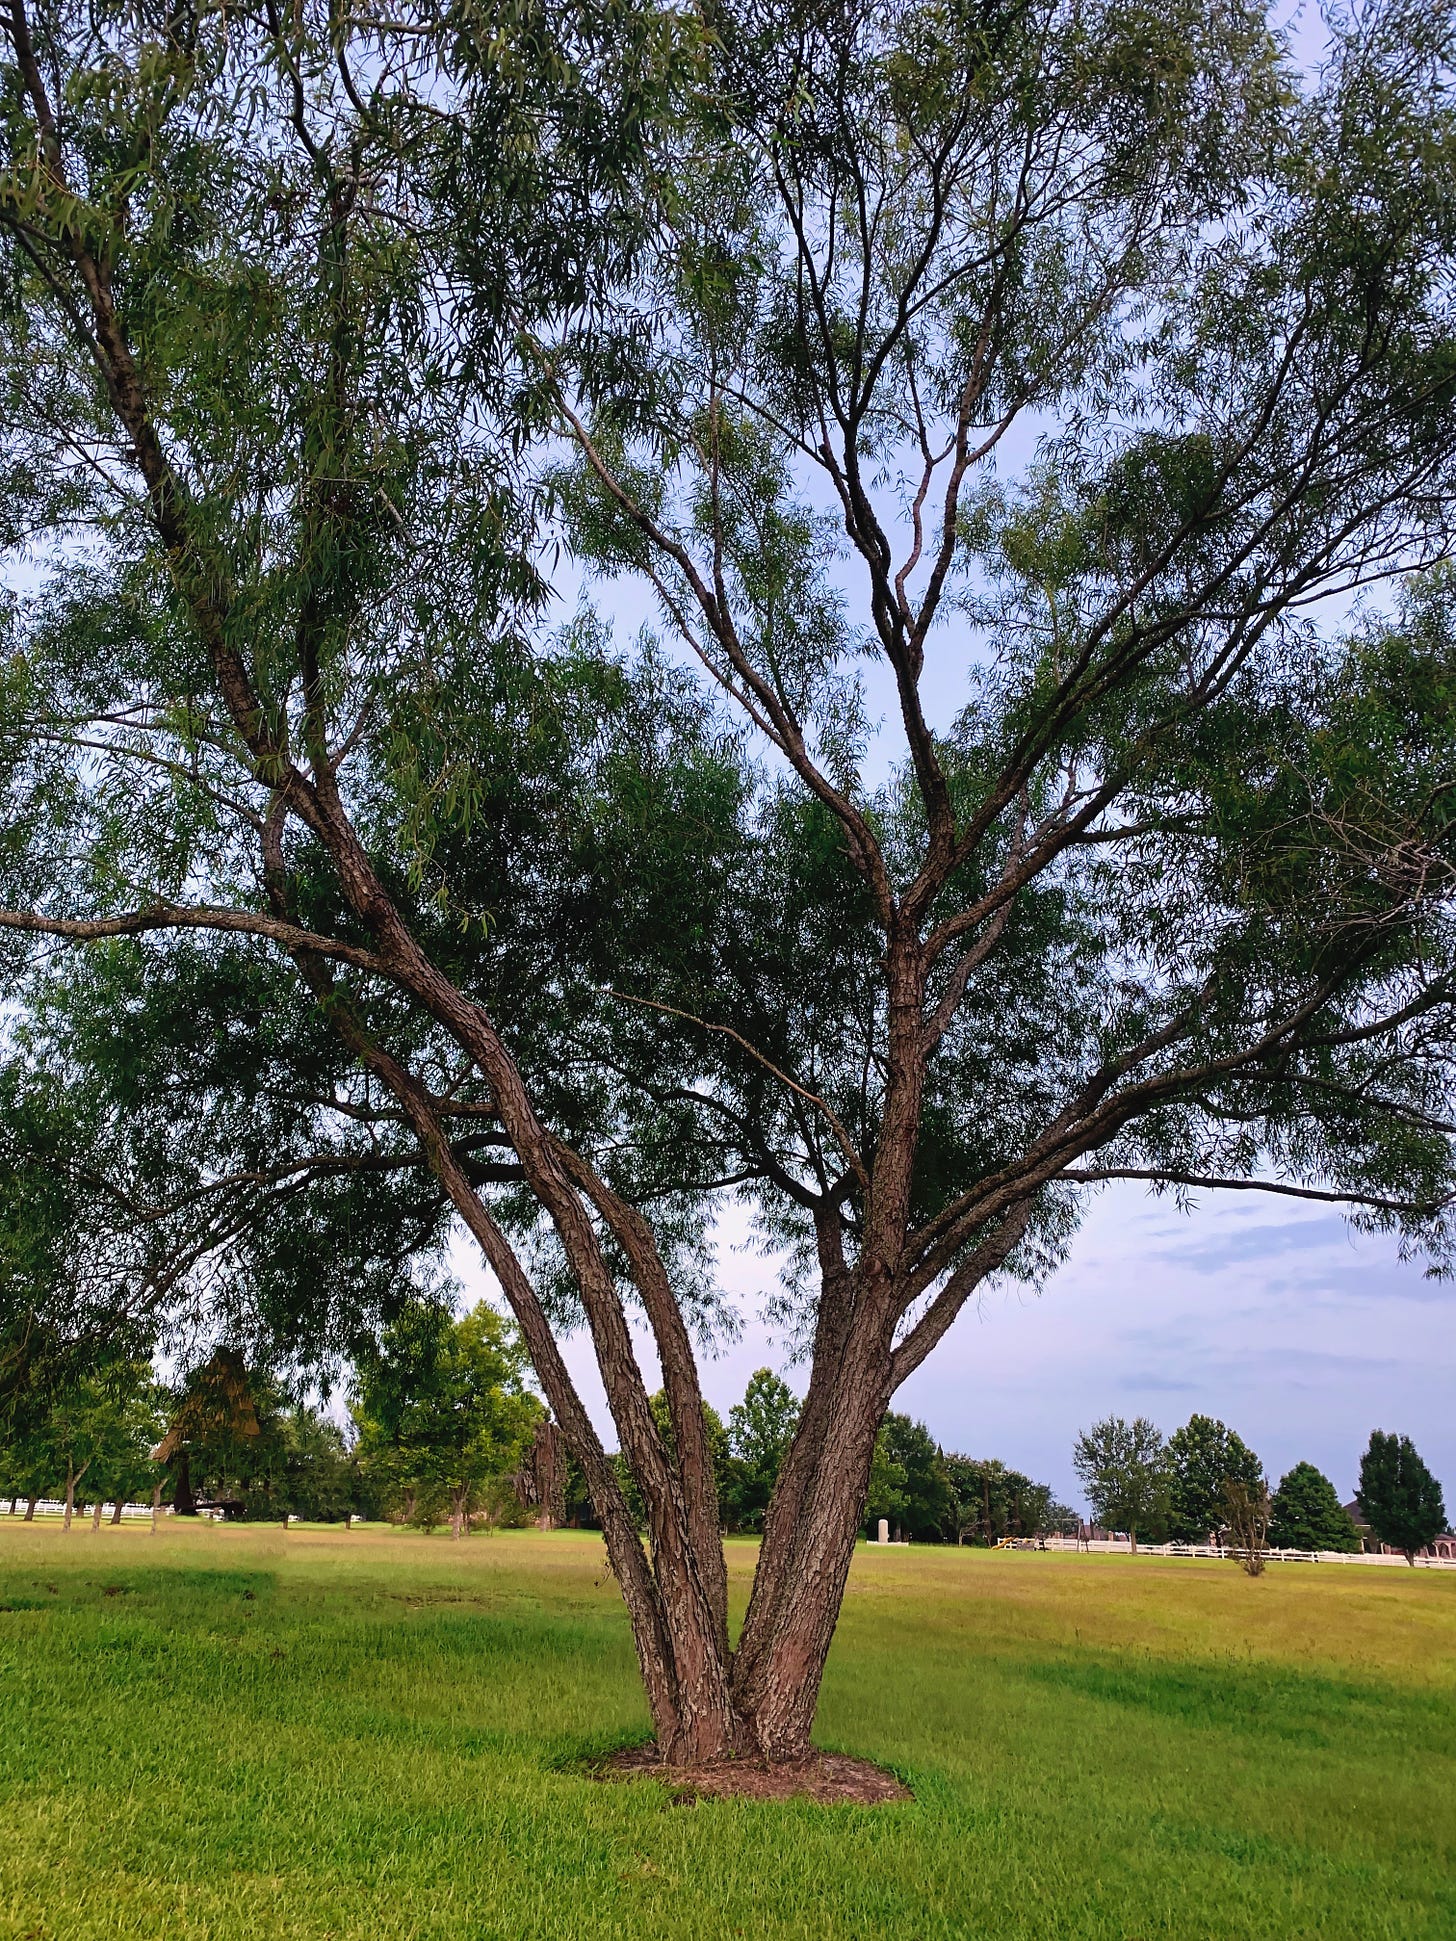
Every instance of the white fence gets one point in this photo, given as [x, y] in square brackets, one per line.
[47, 1507]
[1119, 1546]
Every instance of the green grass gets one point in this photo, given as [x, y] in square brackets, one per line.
[220, 1733]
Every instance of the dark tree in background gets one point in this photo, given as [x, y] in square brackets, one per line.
[1045, 379]
[928, 1512]
[1306, 1513]
[1203, 1458]
[993, 1502]
[213, 1438]
[1399, 1497]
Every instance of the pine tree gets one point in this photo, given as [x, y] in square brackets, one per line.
[1400, 1497]
[1308, 1515]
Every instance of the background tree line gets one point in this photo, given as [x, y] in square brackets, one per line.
[440, 1424]
[1204, 1482]
[439, 1419]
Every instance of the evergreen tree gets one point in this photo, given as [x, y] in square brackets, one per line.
[1306, 1513]
[1203, 1458]
[1399, 1497]
[214, 1446]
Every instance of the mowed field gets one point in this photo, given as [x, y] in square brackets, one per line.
[222, 1733]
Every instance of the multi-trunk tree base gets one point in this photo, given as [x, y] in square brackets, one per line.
[827, 1778]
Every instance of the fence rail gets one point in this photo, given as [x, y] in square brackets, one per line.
[55, 1506]
[1114, 1546]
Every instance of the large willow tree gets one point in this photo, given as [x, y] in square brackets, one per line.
[1075, 383]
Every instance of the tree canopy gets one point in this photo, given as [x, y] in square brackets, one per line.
[1399, 1497]
[1123, 1468]
[760, 1430]
[1307, 1513]
[1203, 1458]
[444, 1414]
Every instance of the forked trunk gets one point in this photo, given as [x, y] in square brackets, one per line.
[73, 1476]
[761, 1701]
[786, 1642]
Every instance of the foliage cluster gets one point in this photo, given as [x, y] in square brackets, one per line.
[444, 1416]
[1205, 1482]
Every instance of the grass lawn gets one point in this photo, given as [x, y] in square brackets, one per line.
[222, 1733]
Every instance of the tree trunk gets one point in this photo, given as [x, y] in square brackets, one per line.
[156, 1503]
[73, 1476]
[184, 1503]
[96, 1512]
[785, 1644]
[13, 1501]
[30, 1503]
[458, 1518]
[116, 1510]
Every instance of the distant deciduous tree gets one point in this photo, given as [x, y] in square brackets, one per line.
[1399, 1496]
[318, 1479]
[99, 1432]
[928, 1512]
[444, 1412]
[993, 1502]
[886, 1498]
[1203, 1458]
[1306, 1513]
[760, 1430]
[25, 1467]
[1123, 1468]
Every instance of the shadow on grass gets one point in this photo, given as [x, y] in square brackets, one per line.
[1298, 1708]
